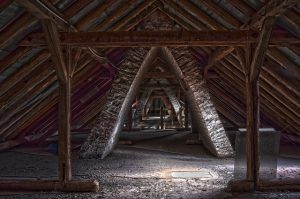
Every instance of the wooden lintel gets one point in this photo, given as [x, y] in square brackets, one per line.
[160, 38]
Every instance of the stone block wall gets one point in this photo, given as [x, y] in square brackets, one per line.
[111, 118]
[208, 123]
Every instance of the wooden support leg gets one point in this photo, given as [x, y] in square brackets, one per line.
[252, 137]
[64, 128]
[186, 115]
[129, 120]
[161, 117]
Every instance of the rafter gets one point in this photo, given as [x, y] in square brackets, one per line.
[272, 8]
[134, 13]
[115, 14]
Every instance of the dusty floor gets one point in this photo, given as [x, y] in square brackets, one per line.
[133, 172]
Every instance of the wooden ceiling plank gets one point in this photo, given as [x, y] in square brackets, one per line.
[16, 27]
[230, 75]
[93, 15]
[4, 4]
[205, 19]
[242, 6]
[186, 15]
[115, 14]
[284, 61]
[23, 71]
[13, 57]
[136, 20]
[272, 8]
[46, 105]
[221, 13]
[134, 13]
[73, 9]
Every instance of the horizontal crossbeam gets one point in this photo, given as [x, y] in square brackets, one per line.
[162, 38]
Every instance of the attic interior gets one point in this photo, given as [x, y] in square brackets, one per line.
[149, 99]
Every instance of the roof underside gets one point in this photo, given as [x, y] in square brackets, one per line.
[29, 87]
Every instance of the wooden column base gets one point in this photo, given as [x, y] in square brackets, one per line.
[241, 186]
[286, 185]
[277, 185]
[50, 185]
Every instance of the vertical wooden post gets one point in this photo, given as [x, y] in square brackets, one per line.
[252, 66]
[161, 117]
[64, 129]
[129, 120]
[64, 117]
[186, 114]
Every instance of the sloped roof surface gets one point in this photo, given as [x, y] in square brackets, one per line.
[29, 87]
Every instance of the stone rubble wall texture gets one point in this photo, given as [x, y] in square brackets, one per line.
[174, 101]
[110, 121]
[142, 103]
[110, 117]
[208, 123]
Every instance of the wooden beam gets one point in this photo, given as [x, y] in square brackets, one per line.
[93, 14]
[186, 16]
[64, 124]
[261, 48]
[186, 114]
[54, 44]
[49, 185]
[202, 16]
[162, 38]
[134, 13]
[253, 65]
[272, 8]
[42, 12]
[115, 14]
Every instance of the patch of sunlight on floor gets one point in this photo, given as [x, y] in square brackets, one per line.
[202, 174]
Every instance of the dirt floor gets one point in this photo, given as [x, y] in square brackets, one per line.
[137, 171]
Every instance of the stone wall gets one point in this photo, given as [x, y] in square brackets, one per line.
[174, 101]
[206, 119]
[111, 119]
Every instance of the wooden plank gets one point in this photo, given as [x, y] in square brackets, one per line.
[186, 16]
[272, 8]
[134, 13]
[222, 13]
[42, 11]
[261, 48]
[114, 15]
[57, 56]
[204, 18]
[93, 15]
[163, 38]
[49, 185]
[252, 92]
[16, 27]
[64, 125]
